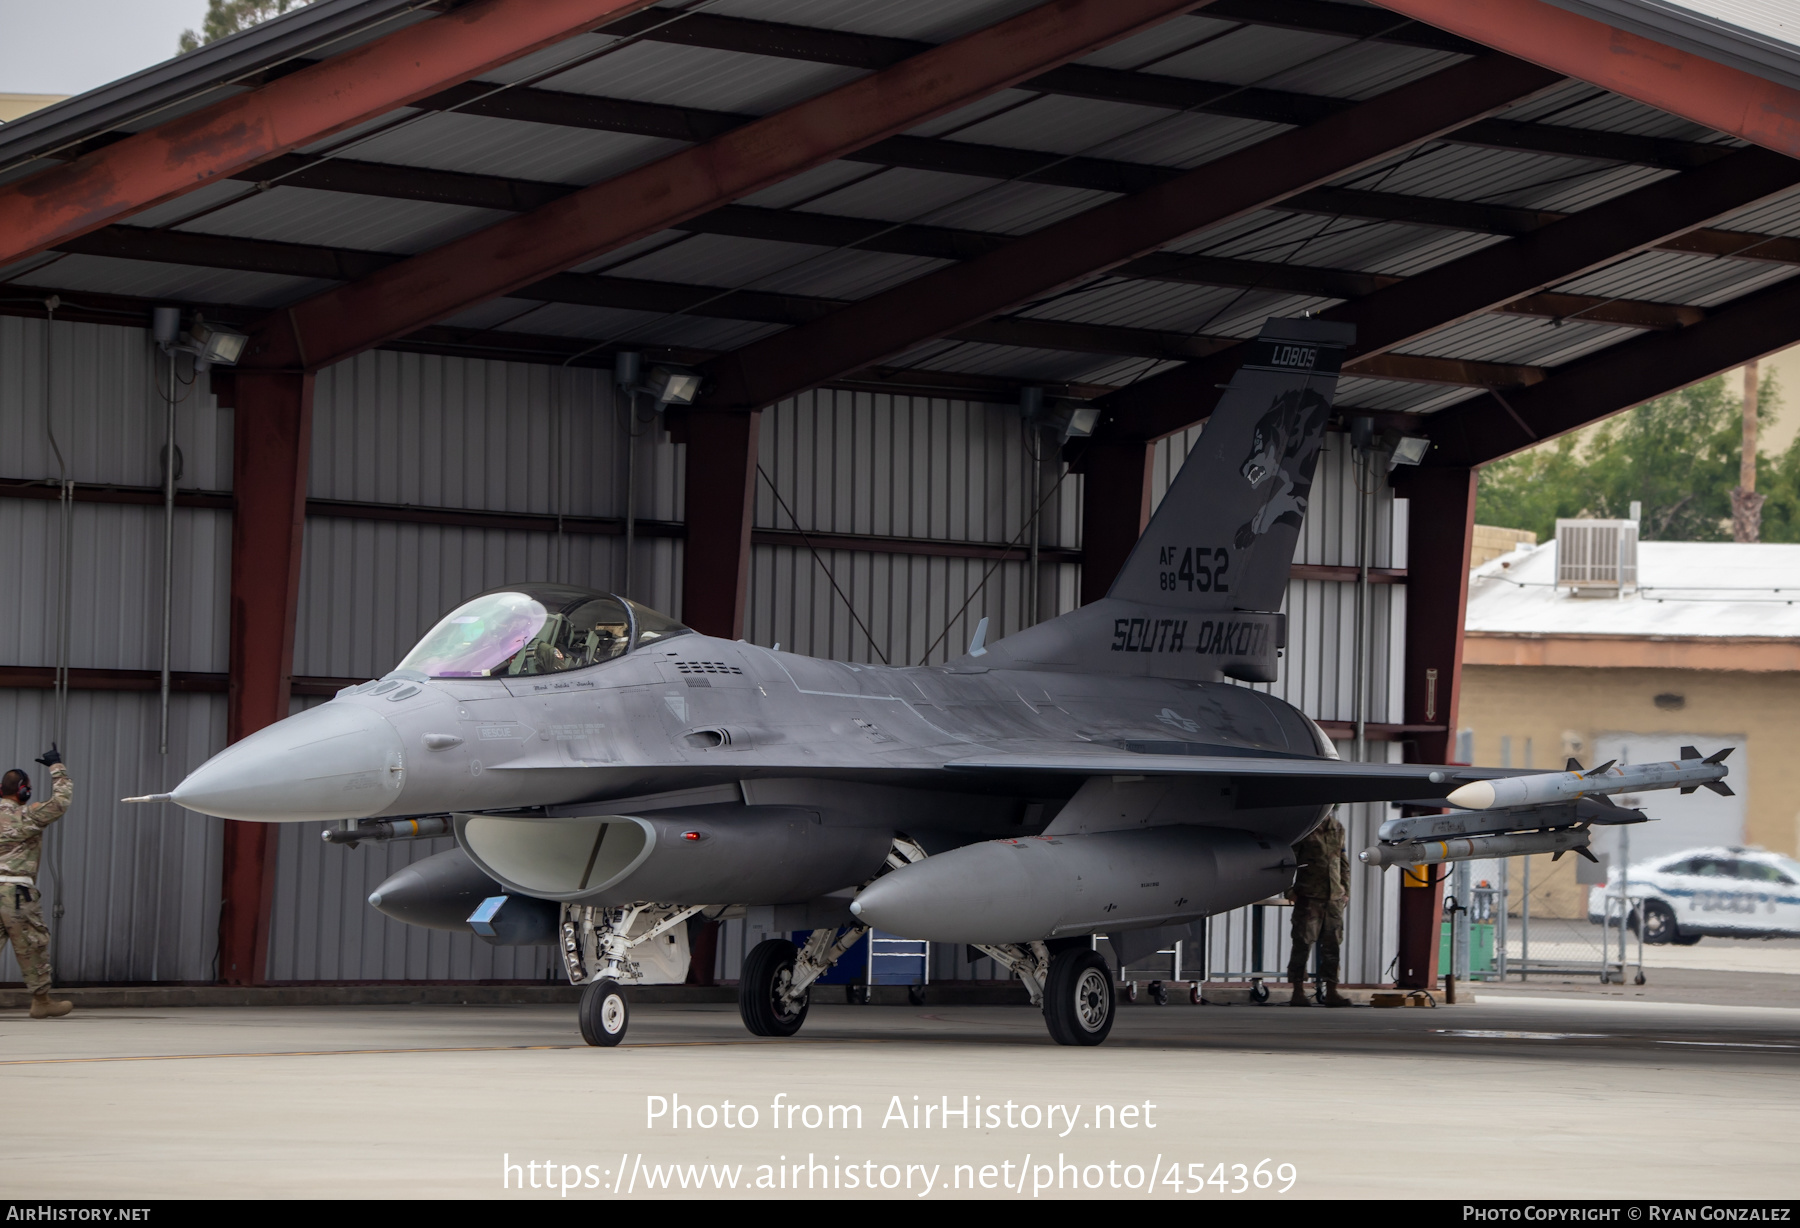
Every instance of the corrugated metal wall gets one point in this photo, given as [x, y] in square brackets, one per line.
[139, 885]
[917, 467]
[133, 890]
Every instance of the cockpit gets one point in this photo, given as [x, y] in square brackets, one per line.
[530, 629]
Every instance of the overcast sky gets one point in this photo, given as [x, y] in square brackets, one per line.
[71, 46]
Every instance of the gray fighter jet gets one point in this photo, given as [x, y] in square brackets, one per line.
[610, 774]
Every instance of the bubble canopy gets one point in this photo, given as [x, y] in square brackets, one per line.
[530, 629]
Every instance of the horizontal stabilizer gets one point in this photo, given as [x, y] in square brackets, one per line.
[1721, 788]
[1720, 756]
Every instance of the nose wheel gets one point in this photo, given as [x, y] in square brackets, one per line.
[1079, 1003]
[604, 1014]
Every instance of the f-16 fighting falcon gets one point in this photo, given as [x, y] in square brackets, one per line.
[608, 773]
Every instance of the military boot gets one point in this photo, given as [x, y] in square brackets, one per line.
[43, 1006]
[1298, 997]
[1333, 997]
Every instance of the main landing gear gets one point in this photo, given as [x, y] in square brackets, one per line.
[775, 988]
[1074, 986]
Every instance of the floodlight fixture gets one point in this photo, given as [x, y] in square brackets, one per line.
[1410, 450]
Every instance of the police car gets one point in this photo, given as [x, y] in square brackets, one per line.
[1725, 892]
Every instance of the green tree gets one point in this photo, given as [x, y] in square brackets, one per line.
[225, 17]
[1677, 455]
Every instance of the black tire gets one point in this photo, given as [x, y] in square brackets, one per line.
[1685, 940]
[770, 967]
[916, 995]
[1658, 920]
[1079, 999]
[604, 1014]
[1259, 992]
[1159, 994]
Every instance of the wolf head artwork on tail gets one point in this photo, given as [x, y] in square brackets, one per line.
[1283, 454]
[1224, 536]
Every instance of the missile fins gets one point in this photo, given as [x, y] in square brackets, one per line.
[1688, 752]
[1720, 756]
[1574, 765]
[1721, 788]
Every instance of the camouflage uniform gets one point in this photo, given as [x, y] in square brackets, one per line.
[1321, 889]
[21, 908]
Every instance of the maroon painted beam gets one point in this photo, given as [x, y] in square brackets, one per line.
[347, 320]
[932, 306]
[1711, 93]
[1115, 510]
[1482, 281]
[272, 436]
[43, 678]
[1440, 530]
[1485, 429]
[721, 506]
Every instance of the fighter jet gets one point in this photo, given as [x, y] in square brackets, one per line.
[610, 774]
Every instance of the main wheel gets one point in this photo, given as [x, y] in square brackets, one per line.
[604, 1014]
[768, 971]
[1078, 997]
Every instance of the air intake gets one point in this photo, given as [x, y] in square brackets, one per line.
[1597, 558]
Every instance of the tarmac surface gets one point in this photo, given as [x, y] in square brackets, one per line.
[1539, 1091]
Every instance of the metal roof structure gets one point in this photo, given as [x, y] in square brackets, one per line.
[1705, 590]
[1494, 167]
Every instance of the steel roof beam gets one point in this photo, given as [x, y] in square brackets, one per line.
[939, 303]
[298, 109]
[914, 239]
[754, 306]
[1185, 93]
[1481, 281]
[493, 262]
[1705, 91]
[684, 123]
[1477, 431]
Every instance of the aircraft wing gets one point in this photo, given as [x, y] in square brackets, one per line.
[1257, 780]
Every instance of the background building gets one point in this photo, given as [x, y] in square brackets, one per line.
[1704, 651]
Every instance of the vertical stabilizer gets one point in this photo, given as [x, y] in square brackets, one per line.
[1224, 536]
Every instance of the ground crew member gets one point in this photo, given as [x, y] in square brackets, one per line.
[1321, 890]
[22, 825]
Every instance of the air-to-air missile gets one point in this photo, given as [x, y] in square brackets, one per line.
[1688, 773]
[1548, 812]
[1475, 848]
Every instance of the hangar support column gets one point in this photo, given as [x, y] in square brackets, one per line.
[721, 500]
[1440, 526]
[1115, 509]
[272, 437]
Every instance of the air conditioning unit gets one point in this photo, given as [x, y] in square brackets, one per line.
[1597, 558]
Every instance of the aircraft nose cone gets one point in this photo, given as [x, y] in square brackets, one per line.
[336, 761]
